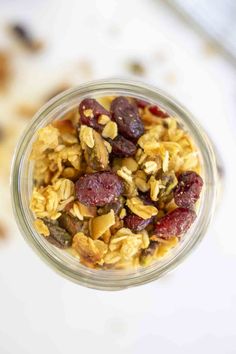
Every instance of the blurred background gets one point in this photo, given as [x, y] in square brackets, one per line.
[189, 50]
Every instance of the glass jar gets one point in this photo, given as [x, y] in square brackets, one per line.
[22, 184]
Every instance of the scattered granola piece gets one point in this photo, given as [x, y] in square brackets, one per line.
[23, 35]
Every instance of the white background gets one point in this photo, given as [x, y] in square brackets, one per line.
[193, 309]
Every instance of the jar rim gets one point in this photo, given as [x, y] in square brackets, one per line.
[107, 280]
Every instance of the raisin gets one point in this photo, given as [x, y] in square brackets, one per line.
[90, 110]
[136, 223]
[126, 116]
[98, 189]
[157, 111]
[188, 189]
[70, 223]
[175, 223]
[122, 147]
[59, 237]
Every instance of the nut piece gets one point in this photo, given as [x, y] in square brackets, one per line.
[59, 237]
[100, 224]
[137, 206]
[110, 130]
[96, 155]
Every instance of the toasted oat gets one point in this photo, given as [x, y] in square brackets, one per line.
[103, 119]
[108, 146]
[41, 227]
[86, 136]
[137, 206]
[165, 162]
[126, 174]
[110, 130]
[48, 138]
[89, 250]
[46, 201]
[154, 188]
[140, 180]
[150, 167]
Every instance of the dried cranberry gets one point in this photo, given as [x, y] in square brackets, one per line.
[127, 118]
[90, 110]
[135, 223]
[175, 223]
[157, 111]
[188, 189]
[141, 103]
[99, 188]
[122, 147]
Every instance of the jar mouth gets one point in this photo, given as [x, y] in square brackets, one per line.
[21, 186]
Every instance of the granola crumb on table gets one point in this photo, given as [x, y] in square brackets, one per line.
[115, 182]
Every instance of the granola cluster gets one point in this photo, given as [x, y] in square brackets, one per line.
[115, 182]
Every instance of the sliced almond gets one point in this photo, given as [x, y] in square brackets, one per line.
[100, 224]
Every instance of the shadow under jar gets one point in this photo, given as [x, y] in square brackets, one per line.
[22, 185]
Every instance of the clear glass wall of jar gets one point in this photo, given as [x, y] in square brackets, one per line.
[22, 184]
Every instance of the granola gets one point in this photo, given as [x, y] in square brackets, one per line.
[115, 182]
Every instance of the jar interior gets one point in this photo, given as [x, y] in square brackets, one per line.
[22, 184]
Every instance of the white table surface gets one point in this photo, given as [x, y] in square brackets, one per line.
[193, 309]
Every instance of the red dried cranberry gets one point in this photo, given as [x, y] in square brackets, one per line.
[176, 223]
[188, 189]
[141, 103]
[127, 118]
[122, 147]
[135, 223]
[157, 111]
[96, 110]
[99, 188]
